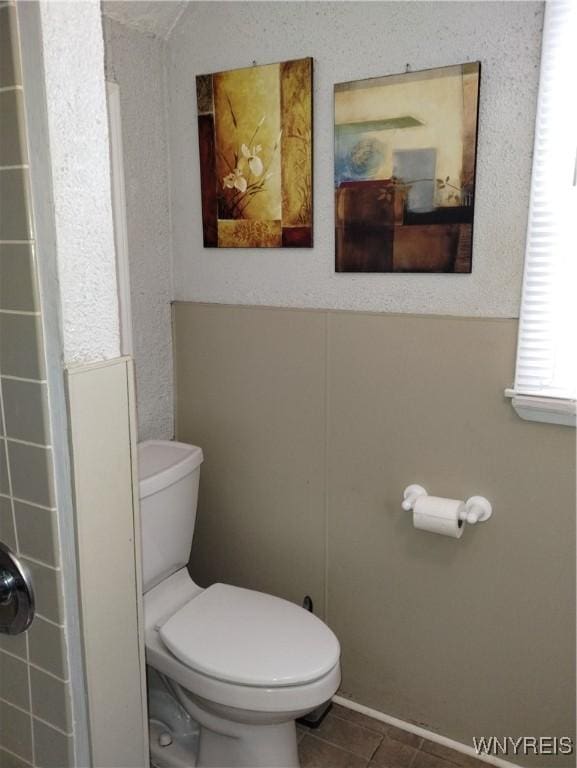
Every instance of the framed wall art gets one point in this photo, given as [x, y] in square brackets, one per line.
[405, 154]
[255, 141]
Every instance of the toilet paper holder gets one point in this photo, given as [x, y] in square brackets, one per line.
[478, 509]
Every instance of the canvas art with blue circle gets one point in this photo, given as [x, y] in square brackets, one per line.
[405, 156]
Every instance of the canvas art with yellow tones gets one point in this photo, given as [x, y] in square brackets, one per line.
[255, 141]
[405, 154]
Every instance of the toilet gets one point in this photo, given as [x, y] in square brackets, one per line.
[243, 664]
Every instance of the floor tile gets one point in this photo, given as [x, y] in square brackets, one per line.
[451, 756]
[315, 753]
[406, 737]
[357, 717]
[426, 760]
[394, 754]
[350, 736]
[301, 731]
[467, 761]
[346, 734]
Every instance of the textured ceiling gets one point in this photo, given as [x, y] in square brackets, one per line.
[156, 17]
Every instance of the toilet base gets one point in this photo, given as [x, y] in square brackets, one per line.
[256, 746]
[234, 738]
[181, 752]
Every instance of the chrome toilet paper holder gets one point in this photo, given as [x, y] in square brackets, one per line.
[478, 509]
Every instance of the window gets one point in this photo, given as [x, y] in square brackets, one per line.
[546, 372]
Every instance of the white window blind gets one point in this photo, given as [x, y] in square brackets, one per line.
[547, 345]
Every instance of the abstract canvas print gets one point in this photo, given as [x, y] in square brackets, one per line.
[405, 152]
[255, 139]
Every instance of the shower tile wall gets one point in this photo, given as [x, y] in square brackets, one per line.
[35, 716]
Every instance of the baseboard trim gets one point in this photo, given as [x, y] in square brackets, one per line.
[423, 732]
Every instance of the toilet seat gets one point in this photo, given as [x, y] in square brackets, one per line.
[172, 594]
[249, 638]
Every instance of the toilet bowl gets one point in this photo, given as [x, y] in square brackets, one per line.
[243, 664]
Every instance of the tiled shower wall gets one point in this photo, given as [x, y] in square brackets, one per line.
[35, 702]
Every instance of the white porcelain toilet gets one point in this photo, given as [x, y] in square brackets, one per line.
[243, 664]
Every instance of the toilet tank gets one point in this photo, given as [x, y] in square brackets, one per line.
[168, 475]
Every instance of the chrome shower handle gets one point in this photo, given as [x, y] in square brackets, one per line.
[16, 594]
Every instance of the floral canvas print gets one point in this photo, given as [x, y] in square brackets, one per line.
[255, 140]
[405, 153]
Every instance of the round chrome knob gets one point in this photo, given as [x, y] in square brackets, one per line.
[7, 584]
[16, 594]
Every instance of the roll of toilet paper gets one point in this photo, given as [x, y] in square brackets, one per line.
[437, 515]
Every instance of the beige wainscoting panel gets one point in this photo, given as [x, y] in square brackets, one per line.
[103, 436]
[470, 637]
[250, 389]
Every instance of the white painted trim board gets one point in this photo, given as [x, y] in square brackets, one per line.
[118, 190]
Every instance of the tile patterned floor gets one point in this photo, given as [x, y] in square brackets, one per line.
[348, 739]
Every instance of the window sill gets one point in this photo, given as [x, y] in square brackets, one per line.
[550, 410]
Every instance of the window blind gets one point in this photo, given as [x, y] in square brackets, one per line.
[547, 344]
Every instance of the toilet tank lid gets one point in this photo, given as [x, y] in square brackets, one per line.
[162, 463]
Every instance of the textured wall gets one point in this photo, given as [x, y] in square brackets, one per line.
[74, 65]
[135, 61]
[148, 16]
[312, 424]
[350, 40]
